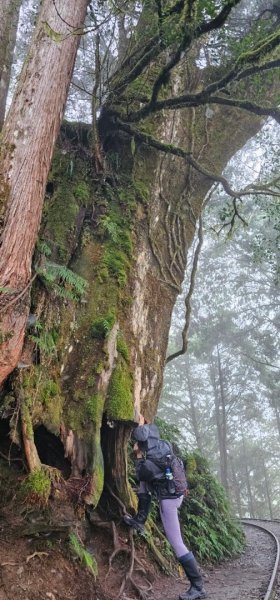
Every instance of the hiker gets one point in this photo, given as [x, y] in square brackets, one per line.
[154, 481]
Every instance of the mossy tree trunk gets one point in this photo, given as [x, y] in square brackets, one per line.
[94, 361]
[127, 234]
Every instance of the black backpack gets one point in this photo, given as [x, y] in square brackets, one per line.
[161, 465]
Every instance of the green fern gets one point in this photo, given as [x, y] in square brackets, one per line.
[85, 558]
[101, 326]
[43, 248]
[63, 281]
[109, 228]
[46, 341]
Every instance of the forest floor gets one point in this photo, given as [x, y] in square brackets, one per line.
[36, 562]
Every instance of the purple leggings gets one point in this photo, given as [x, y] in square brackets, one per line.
[169, 516]
[170, 520]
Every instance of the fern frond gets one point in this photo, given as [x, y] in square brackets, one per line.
[44, 248]
[58, 276]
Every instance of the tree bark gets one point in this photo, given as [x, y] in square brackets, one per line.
[9, 14]
[32, 124]
[151, 202]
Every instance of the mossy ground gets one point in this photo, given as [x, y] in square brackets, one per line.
[36, 488]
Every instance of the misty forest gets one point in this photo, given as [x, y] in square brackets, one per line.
[139, 265]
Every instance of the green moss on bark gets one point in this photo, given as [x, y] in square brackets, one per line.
[119, 404]
[43, 399]
[70, 191]
[95, 407]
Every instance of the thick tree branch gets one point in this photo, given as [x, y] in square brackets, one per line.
[272, 64]
[253, 56]
[206, 97]
[145, 138]
[194, 100]
[251, 107]
[150, 51]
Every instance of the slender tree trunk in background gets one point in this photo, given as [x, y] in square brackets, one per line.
[193, 417]
[220, 422]
[223, 425]
[276, 411]
[267, 489]
[122, 41]
[9, 13]
[247, 479]
[27, 143]
[236, 489]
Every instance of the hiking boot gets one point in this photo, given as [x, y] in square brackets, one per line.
[133, 522]
[193, 593]
[190, 567]
[138, 522]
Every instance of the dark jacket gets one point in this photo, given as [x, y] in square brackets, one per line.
[146, 468]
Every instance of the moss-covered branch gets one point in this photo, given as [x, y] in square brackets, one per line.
[189, 34]
[206, 97]
[148, 139]
[236, 74]
[149, 53]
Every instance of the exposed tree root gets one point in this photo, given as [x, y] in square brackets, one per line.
[119, 501]
[128, 578]
[126, 551]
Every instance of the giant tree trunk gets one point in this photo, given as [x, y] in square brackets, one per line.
[127, 233]
[27, 143]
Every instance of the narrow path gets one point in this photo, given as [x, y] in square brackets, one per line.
[243, 578]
